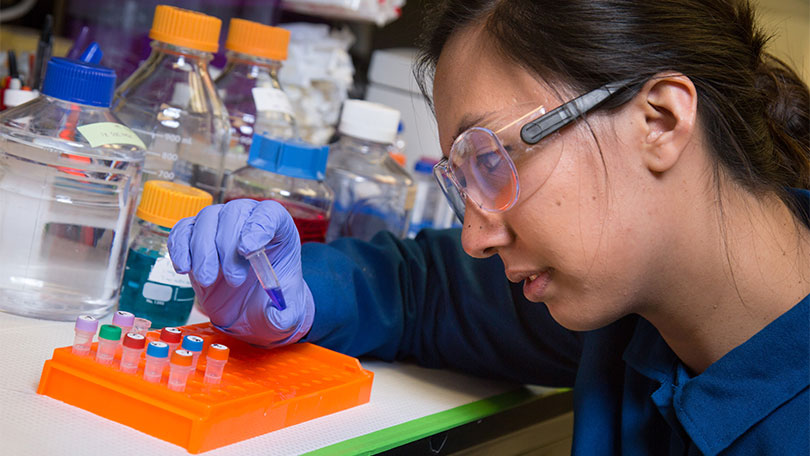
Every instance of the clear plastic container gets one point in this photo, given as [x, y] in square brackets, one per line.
[291, 173]
[69, 176]
[172, 104]
[372, 192]
[428, 197]
[151, 288]
[250, 89]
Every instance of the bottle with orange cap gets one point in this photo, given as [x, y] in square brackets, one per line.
[151, 288]
[250, 88]
[170, 101]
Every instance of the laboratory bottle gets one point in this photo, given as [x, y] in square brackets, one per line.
[170, 101]
[250, 89]
[292, 173]
[428, 196]
[69, 179]
[151, 288]
[372, 192]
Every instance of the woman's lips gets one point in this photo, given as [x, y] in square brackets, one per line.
[534, 288]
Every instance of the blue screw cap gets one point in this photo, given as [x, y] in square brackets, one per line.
[288, 158]
[425, 165]
[79, 82]
[157, 349]
[192, 343]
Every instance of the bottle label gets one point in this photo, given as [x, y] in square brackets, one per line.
[103, 133]
[163, 272]
[272, 99]
[153, 290]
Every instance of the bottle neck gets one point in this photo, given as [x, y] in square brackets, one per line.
[370, 149]
[252, 67]
[179, 57]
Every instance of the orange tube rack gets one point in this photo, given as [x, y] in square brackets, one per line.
[261, 391]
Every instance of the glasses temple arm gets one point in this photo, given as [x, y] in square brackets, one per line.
[554, 120]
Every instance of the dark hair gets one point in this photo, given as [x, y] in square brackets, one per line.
[753, 107]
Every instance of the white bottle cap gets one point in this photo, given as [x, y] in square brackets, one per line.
[15, 96]
[369, 121]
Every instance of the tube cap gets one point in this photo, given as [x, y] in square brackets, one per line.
[182, 357]
[369, 121]
[134, 340]
[123, 319]
[288, 158]
[79, 82]
[218, 351]
[193, 343]
[425, 165]
[257, 39]
[86, 323]
[109, 332]
[171, 335]
[185, 28]
[158, 349]
[165, 203]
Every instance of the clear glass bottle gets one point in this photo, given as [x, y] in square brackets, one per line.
[372, 192]
[250, 89]
[428, 196]
[151, 289]
[172, 104]
[291, 173]
[69, 178]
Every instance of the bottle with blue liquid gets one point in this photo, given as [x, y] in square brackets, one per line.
[372, 192]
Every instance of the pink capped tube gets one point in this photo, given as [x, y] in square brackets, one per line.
[141, 326]
[179, 369]
[123, 320]
[216, 358]
[132, 347]
[109, 338]
[86, 327]
[157, 356]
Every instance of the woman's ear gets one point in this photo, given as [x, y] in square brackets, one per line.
[668, 105]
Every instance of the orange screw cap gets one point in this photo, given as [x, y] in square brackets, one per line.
[182, 358]
[185, 28]
[257, 39]
[218, 351]
[164, 203]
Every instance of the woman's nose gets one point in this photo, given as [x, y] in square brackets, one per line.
[483, 233]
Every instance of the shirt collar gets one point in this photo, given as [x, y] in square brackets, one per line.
[737, 391]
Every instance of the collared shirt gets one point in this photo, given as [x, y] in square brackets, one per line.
[426, 300]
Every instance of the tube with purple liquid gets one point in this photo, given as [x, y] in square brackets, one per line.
[267, 277]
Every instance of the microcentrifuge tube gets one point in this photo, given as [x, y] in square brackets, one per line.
[141, 326]
[86, 327]
[108, 340]
[132, 347]
[123, 320]
[267, 277]
[216, 357]
[194, 344]
[179, 369]
[157, 356]
[172, 336]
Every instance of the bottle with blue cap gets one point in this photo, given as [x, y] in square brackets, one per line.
[292, 173]
[69, 178]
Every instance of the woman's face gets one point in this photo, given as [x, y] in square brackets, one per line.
[586, 230]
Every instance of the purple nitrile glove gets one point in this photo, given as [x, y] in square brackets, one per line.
[211, 248]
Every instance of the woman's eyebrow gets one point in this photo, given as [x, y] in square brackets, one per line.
[467, 122]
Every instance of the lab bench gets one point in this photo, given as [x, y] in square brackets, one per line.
[412, 410]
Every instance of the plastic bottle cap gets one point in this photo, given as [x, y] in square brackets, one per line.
[185, 28]
[193, 343]
[123, 319]
[171, 335]
[109, 332]
[425, 165]
[401, 159]
[86, 323]
[134, 340]
[182, 357]
[158, 349]
[257, 39]
[288, 158]
[218, 351]
[79, 82]
[369, 121]
[165, 203]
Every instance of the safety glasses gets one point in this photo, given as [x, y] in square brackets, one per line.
[480, 167]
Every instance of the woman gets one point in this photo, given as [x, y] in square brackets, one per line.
[640, 167]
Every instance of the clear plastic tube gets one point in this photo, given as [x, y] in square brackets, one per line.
[267, 277]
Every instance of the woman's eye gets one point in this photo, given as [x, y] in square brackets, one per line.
[489, 160]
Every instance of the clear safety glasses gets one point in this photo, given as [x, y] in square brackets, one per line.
[480, 168]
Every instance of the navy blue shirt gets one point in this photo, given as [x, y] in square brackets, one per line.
[426, 300]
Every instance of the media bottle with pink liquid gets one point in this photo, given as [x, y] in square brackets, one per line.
[291, 173]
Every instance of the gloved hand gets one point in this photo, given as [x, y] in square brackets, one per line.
[211, 248]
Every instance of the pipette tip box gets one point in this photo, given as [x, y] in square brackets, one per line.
[260, 391]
